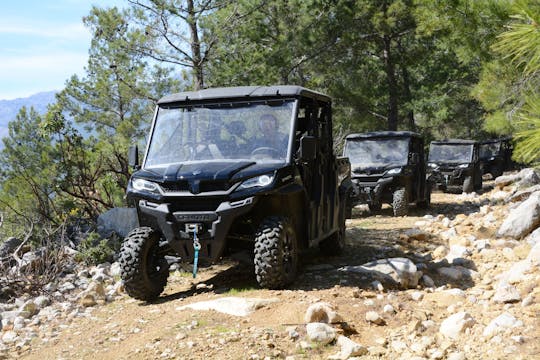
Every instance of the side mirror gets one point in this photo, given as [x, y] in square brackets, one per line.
[308, 148]
[133, 156]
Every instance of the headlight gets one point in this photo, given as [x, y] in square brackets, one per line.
[432, 165]
[463, 166]
[145, 185]
[394, 171]
[258, 181]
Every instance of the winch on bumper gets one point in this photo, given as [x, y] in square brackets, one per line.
[212, 227]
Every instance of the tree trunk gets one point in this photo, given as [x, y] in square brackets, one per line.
[408, 97]
[195, 47]
[392, 85]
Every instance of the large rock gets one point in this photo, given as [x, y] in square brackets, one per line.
[523, 219]
[401, 271]
[9, 246]
[118, 220]
[231, 305]
[523, 194]
[528, 177]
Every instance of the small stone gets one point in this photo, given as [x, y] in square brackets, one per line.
[417, 295]
[506, 294]
[388, 309]
[292, 332]
[322, 312]
[321, 333]
[377, 285]
[428, 281]
[454, 325]
[527, 301]
[374, 317]
[348, 349]
[501, 323]
[88, 300]
[456, 356]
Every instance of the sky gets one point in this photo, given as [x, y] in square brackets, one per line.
[43, 43]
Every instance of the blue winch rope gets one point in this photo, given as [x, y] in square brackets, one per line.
[196, 247]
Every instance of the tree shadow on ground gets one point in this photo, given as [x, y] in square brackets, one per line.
[322, 272]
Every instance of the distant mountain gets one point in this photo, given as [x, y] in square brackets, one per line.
[10, 108]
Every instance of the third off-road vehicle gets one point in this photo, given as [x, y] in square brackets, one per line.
[388, 166]
[455, 163]
[227, 168]
[496, 156]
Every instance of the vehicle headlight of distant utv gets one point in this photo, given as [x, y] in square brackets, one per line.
[394, 171]
[463, 166]
[432, 165]
[258, 181]
[145, 185]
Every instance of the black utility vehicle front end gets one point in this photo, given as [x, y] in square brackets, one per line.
[388, 167]
[455, 164]
[236, 168]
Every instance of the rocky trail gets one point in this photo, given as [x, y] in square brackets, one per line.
[459, 281]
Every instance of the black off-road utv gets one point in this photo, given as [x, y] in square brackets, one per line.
[455, 163]
[496, 156]
[232, 168]
[388, 166]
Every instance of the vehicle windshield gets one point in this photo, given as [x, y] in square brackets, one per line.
[451, 153]
[489, 150]
[255, 131]
[370, 153]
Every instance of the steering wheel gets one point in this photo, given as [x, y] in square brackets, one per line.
[190, 150]
[265, 151]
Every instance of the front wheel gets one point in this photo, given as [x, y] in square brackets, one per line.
[400, 202]
[143, 270]
[276, 253]
[468, 185]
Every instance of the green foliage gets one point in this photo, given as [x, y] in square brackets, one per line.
[94, 250]
[509, 86]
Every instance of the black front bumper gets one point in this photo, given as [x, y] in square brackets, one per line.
[369, 192]
[447, 178]
[177, 226]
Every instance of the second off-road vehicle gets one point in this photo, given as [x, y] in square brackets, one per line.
[388, 167]
[455, 164]
[496, 156]
[231, 168]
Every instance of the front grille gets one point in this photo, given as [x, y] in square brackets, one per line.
[189, 203]
[207, 186]
[367, 179]
[177, 186]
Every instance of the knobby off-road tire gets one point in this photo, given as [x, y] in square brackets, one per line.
[400, 202]
[375, 207]
[143, 271]
[276, 253]
[335, 244]
[468, 185]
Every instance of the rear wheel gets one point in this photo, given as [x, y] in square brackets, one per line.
[143, 270]
[400, 202]
[468, 185]
[374, 207]
[276, 253]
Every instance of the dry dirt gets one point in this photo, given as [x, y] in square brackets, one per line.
[129, 329]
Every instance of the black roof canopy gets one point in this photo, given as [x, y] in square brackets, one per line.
[243, 93]
[454, 142]
[383, 134]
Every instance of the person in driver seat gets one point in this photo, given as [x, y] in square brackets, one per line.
[269, 136]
